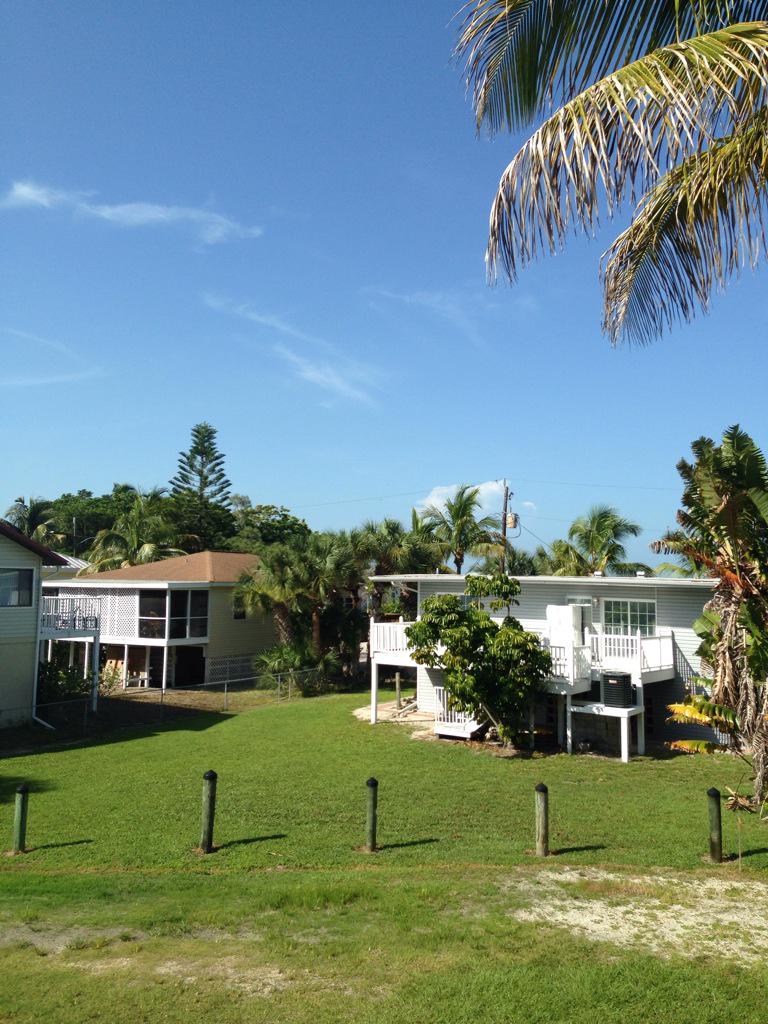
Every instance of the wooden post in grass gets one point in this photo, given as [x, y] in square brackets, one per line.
[209, 810]
[542, 820]
[370, 832]
[20, 818]
[715, 826]
[397, 690]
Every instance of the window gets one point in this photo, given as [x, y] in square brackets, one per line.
[179, 614]
[15, 588]
[152, 605]
[625, 618]
[198, 613]
[238, 608]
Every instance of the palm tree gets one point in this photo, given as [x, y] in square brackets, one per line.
[141, 534]
[516, 563]
[459, 531]
[35, 519]
[662, 103]
[270, 587]
[595, 544]
[390, 549]
[322, 572]
[723, 529]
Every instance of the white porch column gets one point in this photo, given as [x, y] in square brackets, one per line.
[641, 734]
[146, 665]
[50, 651]
[125, 666]
[71, 653]
[86, 658]
[165, 667]
[374, 693]
[568, 724]
[624, 722]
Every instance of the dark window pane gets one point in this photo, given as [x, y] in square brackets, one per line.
[152, 629]
[152, 603]
[179, 600]
[15, 588]
[178, 628]
[199, 603]
[199, 626]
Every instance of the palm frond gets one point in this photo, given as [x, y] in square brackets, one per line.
[617, 138]
[694, 231]
[697, 746]
[519, 55]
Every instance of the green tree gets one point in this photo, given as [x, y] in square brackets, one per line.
[81, 515]
[491, 669]
[141, 534]
[661, 101]
[723, 529]
[458, 529]
[35, 519]
[257, 526]
[595, 544]
[201, 468]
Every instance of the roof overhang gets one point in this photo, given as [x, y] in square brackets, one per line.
[609, 581]
[47, 556]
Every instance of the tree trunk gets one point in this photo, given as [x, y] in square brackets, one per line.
[283, 624]
[316, 643]
[458, 560]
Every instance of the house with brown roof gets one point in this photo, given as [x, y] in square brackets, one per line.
[172, 622]
[21, 567]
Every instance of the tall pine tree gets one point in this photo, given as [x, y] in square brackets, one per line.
[200, 492]
[201, 469]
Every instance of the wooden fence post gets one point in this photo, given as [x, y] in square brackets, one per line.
[209, 811]
[715, 826]
[20, 818]
[373, 793]
[397, 689]
[542, 820]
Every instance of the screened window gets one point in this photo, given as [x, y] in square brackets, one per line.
[625, 618]
[15, 588]
[152, 610]
[198, 613]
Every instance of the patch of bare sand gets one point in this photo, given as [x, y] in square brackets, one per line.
[663, 914]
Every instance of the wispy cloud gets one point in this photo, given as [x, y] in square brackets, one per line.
[45, 370]
[50, 378]
[209, 226]
[448, 307]
[334, 373]
[268, 320]
[531, 506]
[348, 382]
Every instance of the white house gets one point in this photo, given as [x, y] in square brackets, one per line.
[622, 648]
[171, 622]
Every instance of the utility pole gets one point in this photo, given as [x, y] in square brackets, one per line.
[504, 528]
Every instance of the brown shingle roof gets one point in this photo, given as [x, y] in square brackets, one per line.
[49, 557]
[203, 567]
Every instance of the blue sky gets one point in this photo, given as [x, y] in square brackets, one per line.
[277, 224]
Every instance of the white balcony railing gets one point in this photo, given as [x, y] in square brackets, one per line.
[571, 662]
[70, 616]
[386, 637]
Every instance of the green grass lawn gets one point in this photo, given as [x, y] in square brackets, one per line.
[112, 915]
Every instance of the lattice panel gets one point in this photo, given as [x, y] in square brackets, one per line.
[119, 610]
[229, 668]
